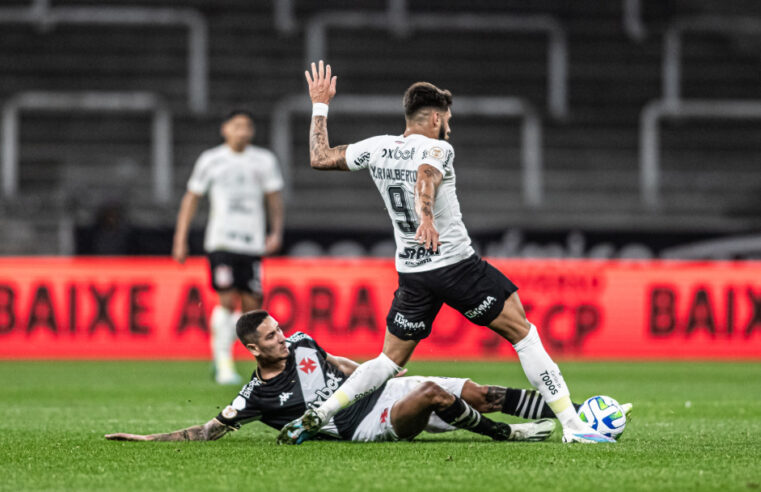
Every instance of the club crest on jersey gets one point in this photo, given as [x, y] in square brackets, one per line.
[284, 397]
[307, 365]
[436, 153]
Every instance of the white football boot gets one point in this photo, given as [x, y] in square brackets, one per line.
[538, 430]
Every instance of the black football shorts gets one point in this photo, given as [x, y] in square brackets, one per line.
[472, 286]
[236, 271]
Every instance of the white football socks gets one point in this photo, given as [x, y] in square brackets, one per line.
[545, 376]
[365, 379]
[223, 337]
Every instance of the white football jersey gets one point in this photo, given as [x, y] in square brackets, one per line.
[393, 161]
[236, 184]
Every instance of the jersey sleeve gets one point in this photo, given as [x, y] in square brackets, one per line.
[273, 179]
[200, 178]
[358, 154]
[437, 153]
[240, 411]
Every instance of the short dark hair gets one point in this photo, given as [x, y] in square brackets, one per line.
[248, 324]
[425, 95]
[238, 112]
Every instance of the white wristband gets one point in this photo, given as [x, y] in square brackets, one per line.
[319, 109]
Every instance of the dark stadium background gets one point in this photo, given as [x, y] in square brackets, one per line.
[84, 184]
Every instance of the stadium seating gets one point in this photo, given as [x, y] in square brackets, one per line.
[590, 159]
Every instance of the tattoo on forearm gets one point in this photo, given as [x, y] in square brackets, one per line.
[320, 152]
[428, 173]
[495, 398]
[210, 431]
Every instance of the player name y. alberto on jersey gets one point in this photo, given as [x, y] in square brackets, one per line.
[393, 161]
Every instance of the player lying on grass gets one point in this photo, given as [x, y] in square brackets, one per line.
[294, 373]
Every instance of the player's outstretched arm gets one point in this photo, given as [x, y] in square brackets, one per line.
[322, 88]
[428, 180]
[210, 431]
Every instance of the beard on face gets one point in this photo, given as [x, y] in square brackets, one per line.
[442, 132]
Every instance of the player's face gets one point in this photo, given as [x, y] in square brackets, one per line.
[271, 345]
[238, 131]
[444, 129]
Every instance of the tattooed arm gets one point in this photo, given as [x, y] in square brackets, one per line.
[322, 156]
[210, 431]
[428, 180]
[322, 88]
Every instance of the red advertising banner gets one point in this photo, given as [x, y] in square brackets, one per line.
[154, 308]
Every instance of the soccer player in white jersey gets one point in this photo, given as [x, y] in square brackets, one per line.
[241, 181]
[415, 176]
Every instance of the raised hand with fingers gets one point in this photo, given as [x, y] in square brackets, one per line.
[322, 83]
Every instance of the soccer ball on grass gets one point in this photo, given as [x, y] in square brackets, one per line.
[603, 414]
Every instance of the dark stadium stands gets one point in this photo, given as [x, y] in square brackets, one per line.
[72, 165]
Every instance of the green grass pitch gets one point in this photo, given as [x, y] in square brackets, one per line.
[696, 426]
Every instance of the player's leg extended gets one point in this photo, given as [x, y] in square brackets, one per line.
[524, 403]
[411, 415]
[223, 318]
[370, 375]
[541, 370]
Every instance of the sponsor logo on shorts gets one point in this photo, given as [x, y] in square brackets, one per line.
[481, 309]
[407, 325]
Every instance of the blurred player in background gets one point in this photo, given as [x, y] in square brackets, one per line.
[415, 176]
[241, 180]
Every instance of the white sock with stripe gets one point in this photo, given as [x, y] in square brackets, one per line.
[545, 376]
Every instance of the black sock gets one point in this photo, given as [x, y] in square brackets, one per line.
[528, 404]
[461, 415]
